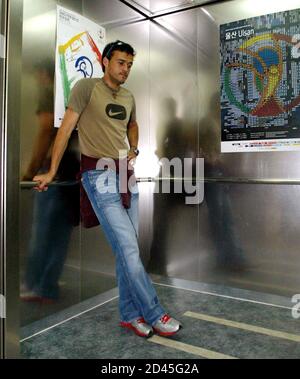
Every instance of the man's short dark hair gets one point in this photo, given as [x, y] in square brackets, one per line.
[116, 46]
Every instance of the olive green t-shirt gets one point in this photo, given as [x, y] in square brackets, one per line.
[103, 121]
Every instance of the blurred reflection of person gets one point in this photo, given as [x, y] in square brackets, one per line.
[172, 142]
[54, 211]
[230, 255]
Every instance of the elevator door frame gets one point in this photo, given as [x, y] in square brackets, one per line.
[2, 105]
[10, 79]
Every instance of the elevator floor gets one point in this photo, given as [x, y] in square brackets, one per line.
[218, 322]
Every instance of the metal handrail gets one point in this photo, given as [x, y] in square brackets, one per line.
[231, 180]
[31, 184]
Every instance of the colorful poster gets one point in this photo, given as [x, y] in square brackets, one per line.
[80, 43]
[260, 83]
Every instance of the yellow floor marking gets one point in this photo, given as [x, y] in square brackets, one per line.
[239, 325]
[189, 348]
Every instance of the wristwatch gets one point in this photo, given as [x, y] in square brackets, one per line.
[135, 150]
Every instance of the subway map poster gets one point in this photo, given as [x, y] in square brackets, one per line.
[260, 83]
[80, 43]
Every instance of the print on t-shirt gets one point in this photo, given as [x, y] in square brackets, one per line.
[116, 111]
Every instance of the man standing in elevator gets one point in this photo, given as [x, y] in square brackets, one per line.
[105, 114]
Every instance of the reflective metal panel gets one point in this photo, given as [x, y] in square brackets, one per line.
[173, 133]
[237, 225]
[49, 221]
[2, 231]
[109, 12]
[10, 176]
[174, 87]
[248, 237]
[164, 6]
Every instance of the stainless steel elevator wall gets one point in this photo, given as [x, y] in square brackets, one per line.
[39, 233]
[2, 265]
[175, 80]
[109, 12]
[10, 171]
[177, 94]
[89, 264]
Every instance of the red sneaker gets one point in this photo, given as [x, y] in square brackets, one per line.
[167, 326]
[139, 326]
[34, 298]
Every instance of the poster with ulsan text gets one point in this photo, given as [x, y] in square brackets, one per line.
[260, 83]
[80, 43]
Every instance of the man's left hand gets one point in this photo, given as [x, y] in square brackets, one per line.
[131, 155]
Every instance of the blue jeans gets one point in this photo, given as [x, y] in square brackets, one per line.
[137, 295]
[50, 236]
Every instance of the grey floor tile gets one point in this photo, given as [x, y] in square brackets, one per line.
[96, 334]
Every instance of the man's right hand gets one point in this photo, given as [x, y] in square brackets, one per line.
[42, 181]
